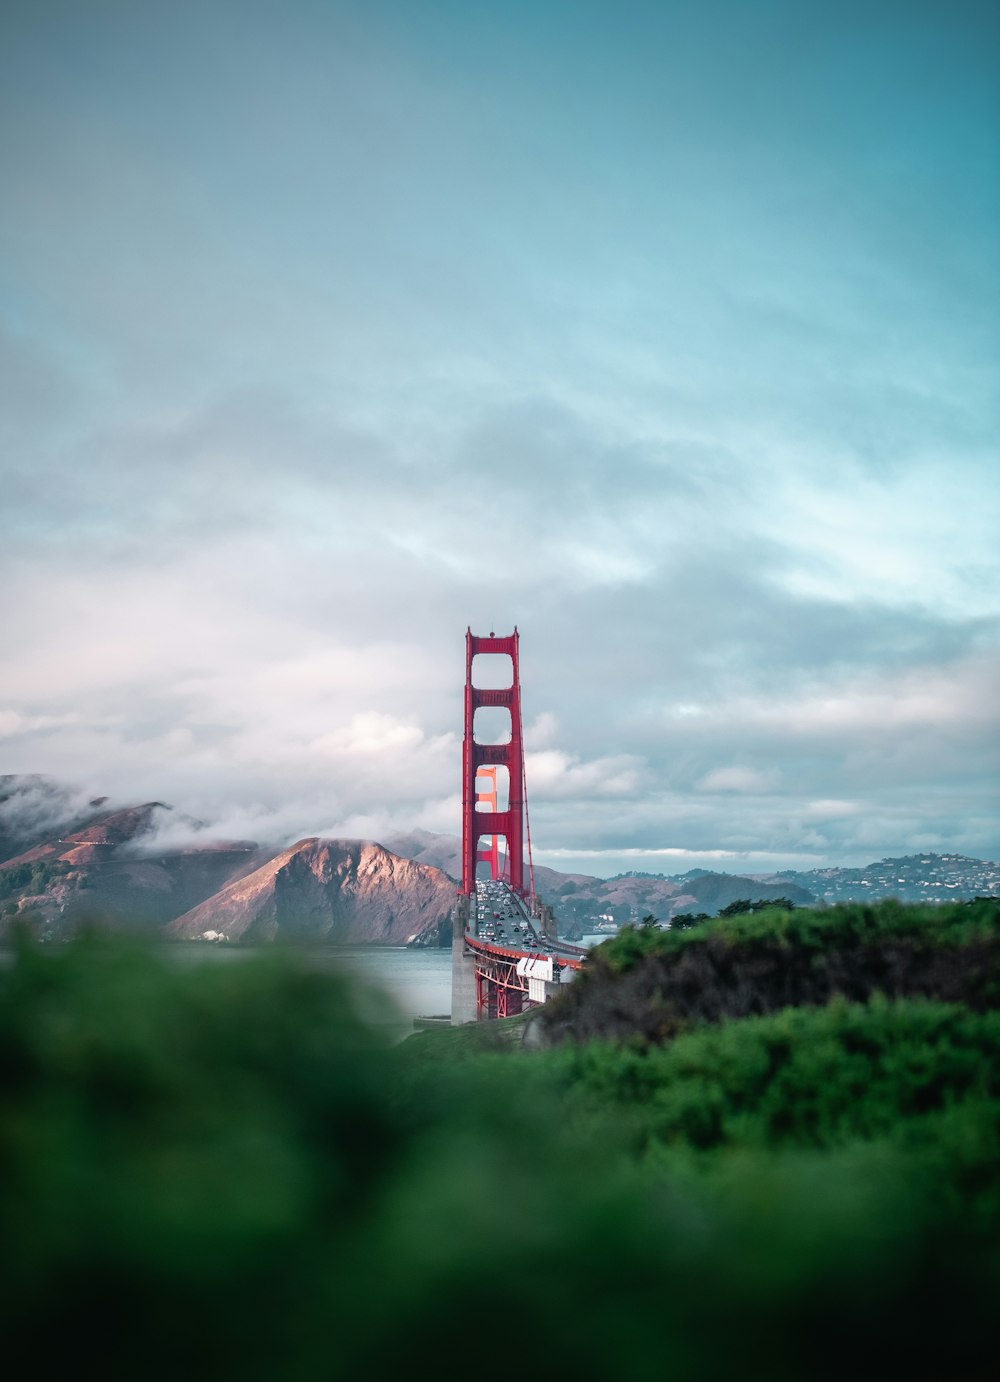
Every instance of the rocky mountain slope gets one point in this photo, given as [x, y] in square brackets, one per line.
[107, 870]
[339, 891]
[59, 873]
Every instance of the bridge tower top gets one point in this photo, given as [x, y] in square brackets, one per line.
[476, 756]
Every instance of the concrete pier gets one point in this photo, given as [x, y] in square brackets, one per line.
[463, 969]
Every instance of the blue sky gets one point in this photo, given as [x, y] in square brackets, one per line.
[668, 332]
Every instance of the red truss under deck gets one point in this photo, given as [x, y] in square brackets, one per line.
[500, 990]
[500, 994]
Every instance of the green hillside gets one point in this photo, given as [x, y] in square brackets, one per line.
[222, 1170]
[652, 984]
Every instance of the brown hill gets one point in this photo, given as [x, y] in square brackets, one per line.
[108, 829]
[579, 899]
[334, 891]
[442, 852]
[445, 852]
[108, 866]
[34, 808]
[713, 891]
[111, 870]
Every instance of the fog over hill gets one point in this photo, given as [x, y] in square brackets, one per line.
[33, 806]
[113, 868]
[64, 860]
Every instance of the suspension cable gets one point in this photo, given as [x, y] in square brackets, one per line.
[527, 826]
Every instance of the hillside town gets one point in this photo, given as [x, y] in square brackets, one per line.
[914, 878]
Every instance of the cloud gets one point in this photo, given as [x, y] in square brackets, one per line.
[926, 697]
[12, 722]
[541, 732]
[737, 779]
[832, 810]
[31, 805]
[297, 388]
[369, 733]
[554, 774]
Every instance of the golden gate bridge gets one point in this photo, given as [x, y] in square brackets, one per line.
[506, 955]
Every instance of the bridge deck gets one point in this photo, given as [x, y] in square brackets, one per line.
[500, 925]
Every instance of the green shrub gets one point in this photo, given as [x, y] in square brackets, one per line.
[222, 1170]
[847, 924]
[650, 985]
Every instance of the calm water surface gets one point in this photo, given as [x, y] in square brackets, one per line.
[417, 981]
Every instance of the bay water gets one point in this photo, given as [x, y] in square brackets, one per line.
[416, 981]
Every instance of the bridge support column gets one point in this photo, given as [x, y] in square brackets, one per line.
[477, 759]
[547, 918]
[463, 970]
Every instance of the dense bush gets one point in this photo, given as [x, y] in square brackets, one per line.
[650, 984]
[803, 1077]
[847, 924]
[221, 1170]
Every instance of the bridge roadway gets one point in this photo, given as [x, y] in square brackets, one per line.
[502, 961]
[515, 964]
[500, 923]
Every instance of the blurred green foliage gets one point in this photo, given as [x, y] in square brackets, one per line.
[847, 924]
[223, 1169]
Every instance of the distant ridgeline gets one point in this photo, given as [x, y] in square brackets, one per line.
[62, 863]
[912, 878]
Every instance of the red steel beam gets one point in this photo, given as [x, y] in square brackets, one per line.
[509, 823]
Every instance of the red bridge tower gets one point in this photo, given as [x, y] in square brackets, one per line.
[478, 758]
